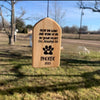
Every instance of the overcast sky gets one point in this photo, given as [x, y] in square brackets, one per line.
[38, 9]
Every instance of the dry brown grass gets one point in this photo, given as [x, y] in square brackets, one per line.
[83, 36]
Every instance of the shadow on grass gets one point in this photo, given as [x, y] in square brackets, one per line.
[88, 77]
[89, 81]
[53, 88]
[19, 75]
[16, 70]
[40, 89]
[14, 55]
[75, 62]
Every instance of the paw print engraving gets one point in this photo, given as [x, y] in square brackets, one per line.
[48, 50]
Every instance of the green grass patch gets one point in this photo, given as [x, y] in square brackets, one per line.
[77, 77]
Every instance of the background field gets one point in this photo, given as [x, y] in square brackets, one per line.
[77, 78]
[82, 36]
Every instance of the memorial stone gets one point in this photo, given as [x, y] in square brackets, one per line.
[46, 43]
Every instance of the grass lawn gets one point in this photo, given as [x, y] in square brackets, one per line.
[77, 77]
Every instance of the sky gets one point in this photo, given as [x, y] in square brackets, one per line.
[38, 10]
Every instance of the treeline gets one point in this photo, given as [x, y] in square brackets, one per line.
[23, 28]
[20, 25]
[74, 29]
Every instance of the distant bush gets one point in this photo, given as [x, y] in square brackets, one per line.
[74, 29]
[25, 30]
[29, 26]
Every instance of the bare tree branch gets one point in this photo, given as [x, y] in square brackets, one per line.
[5, 7]
[7, 31]
[57, 13]
[8, 2]
[22, 13]
[94, 9]
[28, 18]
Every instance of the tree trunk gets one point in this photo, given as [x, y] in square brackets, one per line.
[79, 35]
[80, 30]
[11, 40]
[11, 37]
[14, 38]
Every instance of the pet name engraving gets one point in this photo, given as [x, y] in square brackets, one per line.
[46, 43]
[47, 58]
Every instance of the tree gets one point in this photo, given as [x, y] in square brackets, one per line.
[84, 28]
[74, 29]
[0, 25]
[6, 29]
[66, 29]
[29, 26]
[94, 6]
[20, 25]
[6, 24]
[57, 13]
[10, 31]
